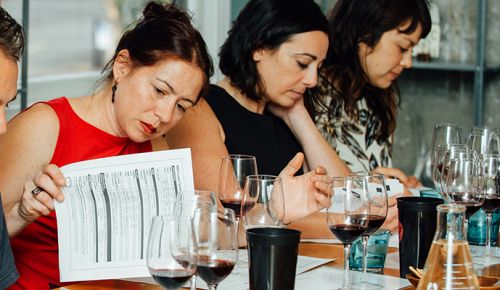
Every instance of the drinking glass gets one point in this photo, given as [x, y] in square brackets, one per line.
[375, 189]
[464, 184]
[438, 160]
[263, 204]
[491, 189]
[347, 216]
[171, 256]
[483, 142]
[233, 172]
[216, 236]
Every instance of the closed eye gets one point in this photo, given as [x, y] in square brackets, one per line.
[302, 65]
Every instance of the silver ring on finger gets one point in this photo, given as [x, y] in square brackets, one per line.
[36, 190]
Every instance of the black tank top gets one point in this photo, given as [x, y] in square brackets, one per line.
[265, 136]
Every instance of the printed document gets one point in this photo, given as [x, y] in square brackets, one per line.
[103, 223]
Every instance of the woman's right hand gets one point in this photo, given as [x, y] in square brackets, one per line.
[39, 193]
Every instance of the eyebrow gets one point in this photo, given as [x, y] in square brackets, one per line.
[307, 54]
[174, 92]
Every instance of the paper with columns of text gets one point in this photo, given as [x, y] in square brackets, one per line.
[103, 223]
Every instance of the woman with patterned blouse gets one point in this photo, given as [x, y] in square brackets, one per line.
[372, 45]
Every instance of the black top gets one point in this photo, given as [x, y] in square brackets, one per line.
[266, 136]
[8, 272]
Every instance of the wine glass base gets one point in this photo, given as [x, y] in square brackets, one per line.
[366, 286]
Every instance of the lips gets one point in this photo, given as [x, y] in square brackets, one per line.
[148, 128]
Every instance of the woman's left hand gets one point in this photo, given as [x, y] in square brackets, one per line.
[304, 194]
[287, 114]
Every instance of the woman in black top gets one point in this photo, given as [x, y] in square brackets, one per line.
[270, 61]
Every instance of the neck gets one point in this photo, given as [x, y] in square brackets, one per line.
[251, 105]
[100, 112]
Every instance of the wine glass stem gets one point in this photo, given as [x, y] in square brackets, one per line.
[193, 282]
[212, 287]
[347, 250]
[365, 257]
[488, 234]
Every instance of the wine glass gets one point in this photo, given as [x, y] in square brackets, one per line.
[171, 256]
[464, 184]
[263, 202]
[186, 205]
[438, 161]
[347, 216]
[233, 172]
[491, 189]
[216, 236]
[375, 190]
[483, 142]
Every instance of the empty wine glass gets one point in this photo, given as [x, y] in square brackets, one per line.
[216, 236]
[233, 172]
[483, 142]
[171, 254]
[438, 161]
[347, 216]
[263, 203]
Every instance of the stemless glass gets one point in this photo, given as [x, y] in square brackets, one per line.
[375, 190]
[171, 256]
[347, 216]
[233, 172]
[217, 240]
[263, 204]
[464, 185]
[491, 189]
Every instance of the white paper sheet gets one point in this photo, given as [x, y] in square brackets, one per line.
[238, 279]
[103, 223]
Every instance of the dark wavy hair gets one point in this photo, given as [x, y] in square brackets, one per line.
[264, 24]
[355, 21]
[11, 36]
[164, 31]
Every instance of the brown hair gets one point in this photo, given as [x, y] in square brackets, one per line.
[164, 31]
[11, 36]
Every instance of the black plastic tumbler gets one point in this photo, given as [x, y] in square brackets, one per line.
[272, 258]
[417, 226]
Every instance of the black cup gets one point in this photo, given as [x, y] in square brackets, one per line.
[417, 226]
[272, 258]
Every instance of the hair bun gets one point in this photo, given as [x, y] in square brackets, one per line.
[153, 10]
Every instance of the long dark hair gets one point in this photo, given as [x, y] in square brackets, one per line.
[355, 21]
[164, 31]
[264, 24]
[11, 36]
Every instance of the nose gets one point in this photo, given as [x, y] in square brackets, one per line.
[311, 77]
[165, 110]
[407, 61]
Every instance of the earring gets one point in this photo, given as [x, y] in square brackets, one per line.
[113, 91]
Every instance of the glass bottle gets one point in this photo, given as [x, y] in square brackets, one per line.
[449, 263]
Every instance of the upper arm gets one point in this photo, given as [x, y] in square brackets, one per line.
[201, 131]
[27, 146]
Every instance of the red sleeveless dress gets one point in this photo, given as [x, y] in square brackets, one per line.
[36, 247]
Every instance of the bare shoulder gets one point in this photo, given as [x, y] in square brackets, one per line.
[199, 124]
[33, 131]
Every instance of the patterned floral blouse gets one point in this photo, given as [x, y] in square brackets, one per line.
[353, 140]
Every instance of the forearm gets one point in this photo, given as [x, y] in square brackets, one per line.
[316, 149]
[15, 223]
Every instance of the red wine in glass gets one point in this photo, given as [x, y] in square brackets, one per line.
[171, 279]
[491, 203]
[374, 222]
[214, 271]
[347, 233]
[234, 204]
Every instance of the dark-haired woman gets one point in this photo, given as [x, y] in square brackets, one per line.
[372, 43]
[151, 81]
[270, 61]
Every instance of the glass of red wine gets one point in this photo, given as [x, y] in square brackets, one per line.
[216, 234]
[233, 172]
[347, 216]
[374, 186]
[171, 254]
[263, 204]
[464, 183]
[491, 190]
